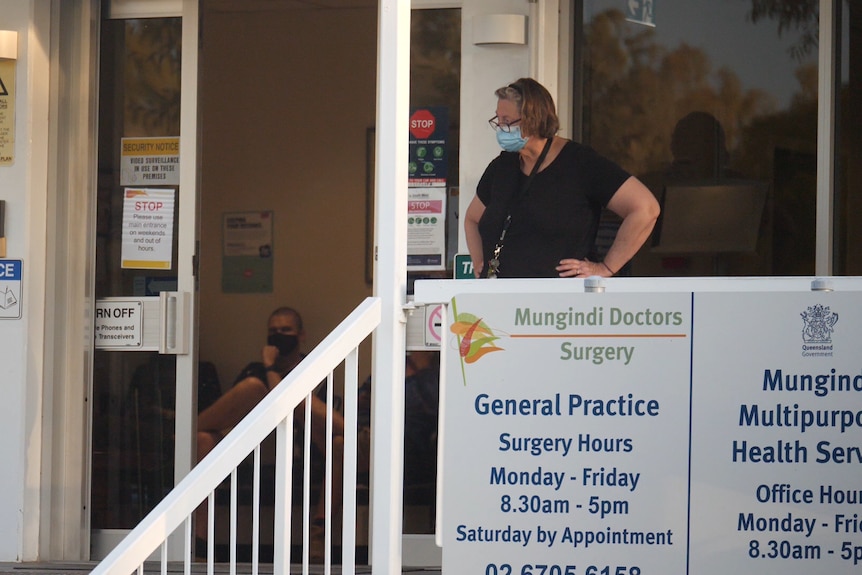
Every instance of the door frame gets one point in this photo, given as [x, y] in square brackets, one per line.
[63, 495]
[101, 542]
[68, 362]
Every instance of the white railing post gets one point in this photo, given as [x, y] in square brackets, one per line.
[283, 474]
[351, 404]
[328, 487]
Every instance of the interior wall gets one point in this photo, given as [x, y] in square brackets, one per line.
[285, 108]
[287, 94]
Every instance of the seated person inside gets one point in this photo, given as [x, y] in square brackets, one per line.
[281, 354]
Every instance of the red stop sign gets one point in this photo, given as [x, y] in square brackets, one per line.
[422, 124]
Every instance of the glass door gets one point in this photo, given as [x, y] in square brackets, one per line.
[143, 365]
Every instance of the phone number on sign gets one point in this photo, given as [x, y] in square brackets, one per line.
[538, 569]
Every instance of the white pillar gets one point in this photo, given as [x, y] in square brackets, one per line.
[390, 283]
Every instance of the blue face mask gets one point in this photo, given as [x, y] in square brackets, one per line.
[511, 141]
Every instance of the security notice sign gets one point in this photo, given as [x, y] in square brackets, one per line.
[150, 161]
[653, 433]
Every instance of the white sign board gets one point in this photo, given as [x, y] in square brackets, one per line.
[128, 324]
[148, 228]
[119, 324]
[633, 434]
[776, 449]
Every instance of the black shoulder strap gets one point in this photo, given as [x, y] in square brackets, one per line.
[535, 169]
[494, 262]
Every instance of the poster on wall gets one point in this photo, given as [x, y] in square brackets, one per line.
[7, 111]
[428, 159]
[653, 433]
[247, 252]
[150, 161]
[148, 228]
[426, 229]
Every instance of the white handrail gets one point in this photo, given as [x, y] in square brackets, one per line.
[272, 413]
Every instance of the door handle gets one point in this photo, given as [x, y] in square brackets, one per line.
[174, 312]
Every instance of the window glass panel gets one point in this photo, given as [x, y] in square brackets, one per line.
[848, 144]
[435, 84]
[711, 102]
[133, 391]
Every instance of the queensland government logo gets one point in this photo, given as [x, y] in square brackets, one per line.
[819, 323]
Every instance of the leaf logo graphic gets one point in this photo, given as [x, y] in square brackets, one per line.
[475, 337]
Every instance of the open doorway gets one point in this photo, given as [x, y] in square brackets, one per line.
[287, 96]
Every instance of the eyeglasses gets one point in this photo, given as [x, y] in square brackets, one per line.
[496, 124]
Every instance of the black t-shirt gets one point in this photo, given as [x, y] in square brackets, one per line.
[556, 219]
[257, 370]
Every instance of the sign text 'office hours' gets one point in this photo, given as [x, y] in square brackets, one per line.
[653, 433]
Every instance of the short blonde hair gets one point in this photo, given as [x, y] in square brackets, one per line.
[538, 113]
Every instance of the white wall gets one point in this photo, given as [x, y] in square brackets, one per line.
[23, 186]
[484, 68]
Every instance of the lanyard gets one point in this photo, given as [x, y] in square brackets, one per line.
[494, 262]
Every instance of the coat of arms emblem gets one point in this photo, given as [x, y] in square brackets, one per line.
[819, 324]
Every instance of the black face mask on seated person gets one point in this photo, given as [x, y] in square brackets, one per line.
[285, 343]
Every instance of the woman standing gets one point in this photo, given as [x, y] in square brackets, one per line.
[537, 206]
